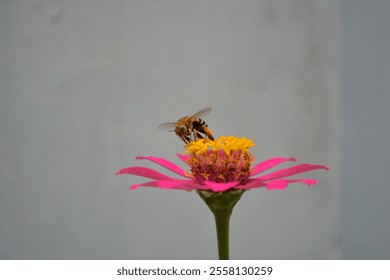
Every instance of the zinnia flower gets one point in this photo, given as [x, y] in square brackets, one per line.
[220, 173]
[218, 166]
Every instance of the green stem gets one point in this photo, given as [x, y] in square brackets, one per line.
[222, 218]
[222, 204]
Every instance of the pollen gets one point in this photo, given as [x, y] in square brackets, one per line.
[224, 143]
[226, 159]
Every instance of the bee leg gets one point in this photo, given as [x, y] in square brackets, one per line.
[183, 137]
[200, 136]
[186, 139]
[191, 135]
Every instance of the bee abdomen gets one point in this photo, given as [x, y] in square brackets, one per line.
[202, 122]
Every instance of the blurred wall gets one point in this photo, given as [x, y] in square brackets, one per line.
[84, 84]
[366, 134]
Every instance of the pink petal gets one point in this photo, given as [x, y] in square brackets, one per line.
[167, 164]
[184, 158]
[267, 164]
[251, 184]
[162, 184]
[143, 172]
[219, 187]
[282, 184]
[277, 184]
[304, 167]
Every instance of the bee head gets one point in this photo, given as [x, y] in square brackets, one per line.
[181, 128]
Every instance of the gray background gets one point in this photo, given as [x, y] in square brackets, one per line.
[83, 85]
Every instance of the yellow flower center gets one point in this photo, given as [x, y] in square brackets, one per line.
[226, 159]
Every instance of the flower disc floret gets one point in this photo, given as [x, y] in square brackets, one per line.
[226, 159]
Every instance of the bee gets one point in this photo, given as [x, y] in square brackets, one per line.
[190, 128]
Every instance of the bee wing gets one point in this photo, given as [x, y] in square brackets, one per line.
[202, 112]
[167, 126]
